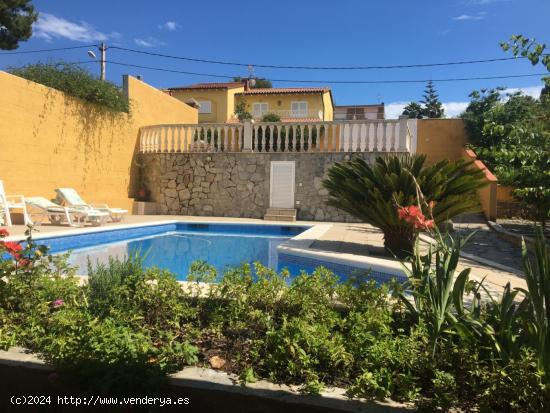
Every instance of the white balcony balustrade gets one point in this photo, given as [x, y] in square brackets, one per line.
[290, 114]
[264, 137]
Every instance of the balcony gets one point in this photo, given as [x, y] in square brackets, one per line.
[291, 136]
[290, 115]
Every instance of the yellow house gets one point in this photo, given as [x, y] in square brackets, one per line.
[217, 101]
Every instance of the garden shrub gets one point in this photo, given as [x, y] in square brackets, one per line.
[77, 82]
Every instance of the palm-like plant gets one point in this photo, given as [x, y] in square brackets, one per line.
[372, 193]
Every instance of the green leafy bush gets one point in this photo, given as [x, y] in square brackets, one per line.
[271, 117]
[76, 82]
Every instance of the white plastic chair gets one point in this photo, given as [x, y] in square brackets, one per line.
[69, 197]
[8, 202]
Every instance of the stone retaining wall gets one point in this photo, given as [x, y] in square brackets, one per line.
[237, 184]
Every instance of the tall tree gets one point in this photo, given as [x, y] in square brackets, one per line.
[413, 110]
[260, 83]
[432, 107]
[16, 19]
[523, 46]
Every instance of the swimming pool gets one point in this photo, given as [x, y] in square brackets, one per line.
[175, 246]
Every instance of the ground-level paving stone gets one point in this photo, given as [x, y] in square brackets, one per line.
[486, 243]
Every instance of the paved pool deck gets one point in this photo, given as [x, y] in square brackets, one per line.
[348, 238]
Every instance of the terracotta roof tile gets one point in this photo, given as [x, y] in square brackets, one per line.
[285, 90]
[220, 85]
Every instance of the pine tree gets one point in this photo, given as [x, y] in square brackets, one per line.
[16, 19]
[432, 107]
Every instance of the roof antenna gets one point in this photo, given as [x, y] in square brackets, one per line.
[251, 77]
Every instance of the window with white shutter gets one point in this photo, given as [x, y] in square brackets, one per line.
[205, 106]
[298, 109]
[259, 109]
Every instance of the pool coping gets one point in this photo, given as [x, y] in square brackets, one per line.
[193, 377]
[68, 231]
[299, 246]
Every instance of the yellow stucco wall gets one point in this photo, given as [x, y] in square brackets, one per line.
[49, 139]
[441, 139]
[329, 106]
[222, 101]
[231, 100]
[446, 139]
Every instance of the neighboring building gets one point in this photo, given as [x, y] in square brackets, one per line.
[359, 112]
[217, 101]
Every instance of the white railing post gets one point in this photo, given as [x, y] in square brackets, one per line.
[403, 145]
[247, 136]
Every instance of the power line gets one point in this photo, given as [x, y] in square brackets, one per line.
[331, 81]
[48, 50]
[407, 66]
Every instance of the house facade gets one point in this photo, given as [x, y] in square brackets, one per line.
[290, 104]
[217, 102]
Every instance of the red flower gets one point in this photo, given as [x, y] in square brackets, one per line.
[409, 214]
[413, 215]
[422, 223]
[4, 233]
[12, 248]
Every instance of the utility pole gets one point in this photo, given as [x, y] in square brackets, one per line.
[103, 50]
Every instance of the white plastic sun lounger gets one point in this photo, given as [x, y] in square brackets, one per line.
[8, 202]
[40, 207]
[69, 197]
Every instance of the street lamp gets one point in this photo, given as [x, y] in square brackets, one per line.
[103, 49]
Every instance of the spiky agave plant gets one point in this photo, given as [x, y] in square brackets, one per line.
[537, 276]
[372, 193]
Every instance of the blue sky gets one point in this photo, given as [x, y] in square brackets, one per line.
[301, 32]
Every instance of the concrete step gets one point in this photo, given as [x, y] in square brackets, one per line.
[279, 218]
[280, 214]
[281, 211]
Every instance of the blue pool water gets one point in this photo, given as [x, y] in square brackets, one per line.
[175, 246]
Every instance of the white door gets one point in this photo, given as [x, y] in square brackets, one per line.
[282, 184]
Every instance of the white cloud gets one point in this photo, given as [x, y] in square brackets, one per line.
[533, 91]
[394, 109]
[50, 27]
[149, 42]
[453, 109]
[462, 17]
[172, 26]
[483, 2]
